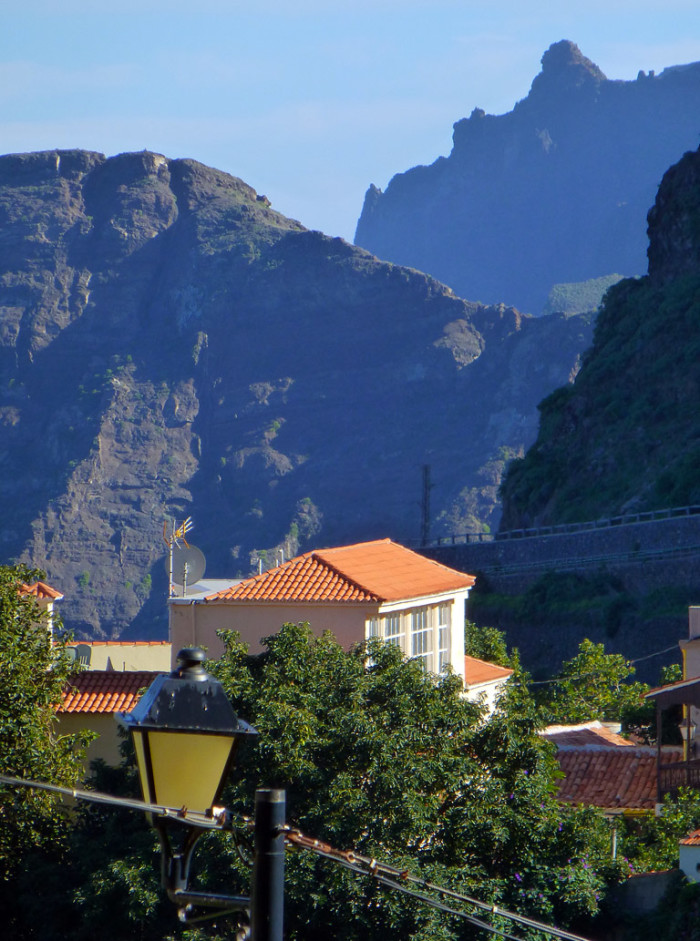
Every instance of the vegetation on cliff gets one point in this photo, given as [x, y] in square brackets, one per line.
[626, 435]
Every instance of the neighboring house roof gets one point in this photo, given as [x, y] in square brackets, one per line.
[587, 733]
[379, 571]
[611, 777]
[693, 839]
[41, 590]
[125, 643]
[682, 692]
[105, 691]
[480, 671]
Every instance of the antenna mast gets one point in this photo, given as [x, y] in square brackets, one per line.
[425, 507]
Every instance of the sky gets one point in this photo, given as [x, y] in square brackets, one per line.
[308, 101]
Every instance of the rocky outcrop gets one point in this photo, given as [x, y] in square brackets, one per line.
[172, 346]
[674, 224]
[625, 437]
[555, 191]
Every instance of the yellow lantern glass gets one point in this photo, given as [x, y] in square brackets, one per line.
[186, 768]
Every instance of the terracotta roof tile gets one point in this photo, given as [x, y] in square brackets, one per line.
[41, 590]
[614, 778]
[377, 571]
[480, 671]
[105, 691]
[124, 643]
[587, 733]
[693, 839]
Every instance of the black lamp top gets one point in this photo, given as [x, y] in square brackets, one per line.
[188, 699]
[190, 664]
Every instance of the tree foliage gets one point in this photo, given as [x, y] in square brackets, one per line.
[33, 673]
[378, 756]
[596, 685]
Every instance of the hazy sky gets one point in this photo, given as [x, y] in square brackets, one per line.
[308, 101]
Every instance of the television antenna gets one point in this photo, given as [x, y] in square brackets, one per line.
[185, 563]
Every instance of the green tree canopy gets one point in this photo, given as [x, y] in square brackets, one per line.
[33, 673]
[378, 756]
[596, 685]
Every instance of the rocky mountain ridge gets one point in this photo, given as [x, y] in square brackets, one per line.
[172, 346]
[625, 437]
[555, 191]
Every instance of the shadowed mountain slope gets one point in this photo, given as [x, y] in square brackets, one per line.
[171, 346]
[554, 191]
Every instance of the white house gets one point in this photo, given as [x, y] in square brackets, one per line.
[371, 589]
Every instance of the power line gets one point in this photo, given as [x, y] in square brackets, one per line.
[582, 676]
[397, 879]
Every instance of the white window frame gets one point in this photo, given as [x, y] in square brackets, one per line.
[393, 629]
[443, 618]
[422, 636]
[373, 627]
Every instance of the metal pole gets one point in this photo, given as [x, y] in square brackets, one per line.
[267, 890]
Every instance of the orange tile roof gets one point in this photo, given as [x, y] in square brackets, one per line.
[587, 733]
[612, 777]
[124, 643]
[105, 691]
[693, 839]
[480, 671]
[377, 571]
[40, 590]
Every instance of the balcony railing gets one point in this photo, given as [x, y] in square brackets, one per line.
[677, 774]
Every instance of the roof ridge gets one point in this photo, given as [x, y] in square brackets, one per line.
[491, 663]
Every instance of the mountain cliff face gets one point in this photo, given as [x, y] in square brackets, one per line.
[626, 435]
[555, 191]
[171, 346]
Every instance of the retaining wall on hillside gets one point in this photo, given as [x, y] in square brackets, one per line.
[668, 545]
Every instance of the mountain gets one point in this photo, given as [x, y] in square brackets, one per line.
[171, 346]
[555, 191]
[625, 437]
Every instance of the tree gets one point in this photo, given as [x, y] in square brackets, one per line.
[595, 685]
[378, 756]
[33, 673]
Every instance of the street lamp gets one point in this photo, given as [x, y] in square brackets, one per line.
[185, 734]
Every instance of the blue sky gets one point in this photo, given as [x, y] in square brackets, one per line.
[308, 101]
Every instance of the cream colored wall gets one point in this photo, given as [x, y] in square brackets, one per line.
[456, 601]
[689, 862]
[195, 625]
[105, 746]
[488, 693]
[123, 656]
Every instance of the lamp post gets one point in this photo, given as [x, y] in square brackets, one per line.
[185, 734]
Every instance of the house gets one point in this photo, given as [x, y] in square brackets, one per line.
[123, 655]
[605, 770]
[616, 778]
[45, 597]
[113, 676]
[585, 733]
[91, 700]
[689, 856]
[483, 681]
[683, 697]
[371, 589]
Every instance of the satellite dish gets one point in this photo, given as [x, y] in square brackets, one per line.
[83, 654]
[188, 563]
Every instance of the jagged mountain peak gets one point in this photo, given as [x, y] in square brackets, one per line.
[564, 60]
[555, 191]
